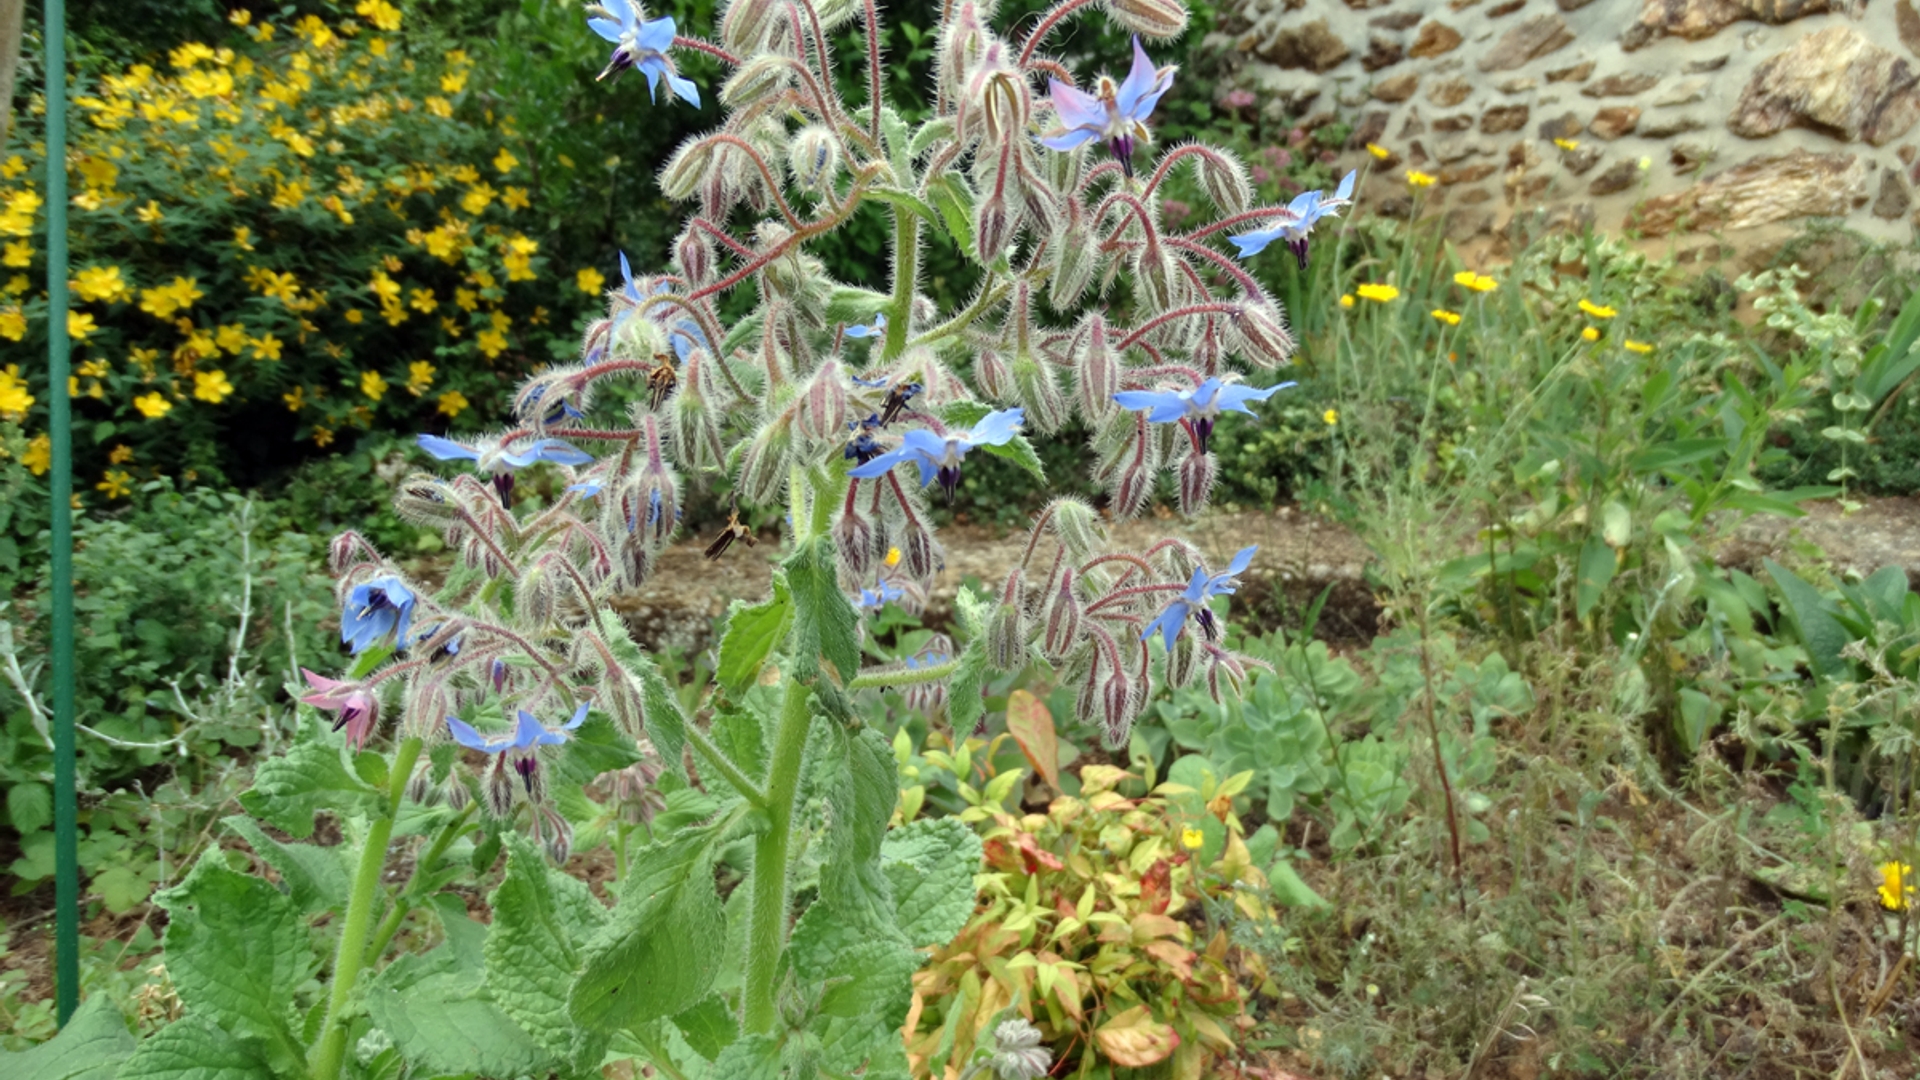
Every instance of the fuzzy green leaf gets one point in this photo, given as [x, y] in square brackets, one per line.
[752, 634]
[709, 1026]
[314, 877]
[756, 1057]
[824, 623]
[444, 1021]
[531, 953]
[964, 704]
[861, 970]
[931, 863]
[1820, 632]
[91, 1047]
[1597, 564]
[658, 952]
[236, 948]
[666, 725]
[289, 789]
[861, 786]
[195, 1048]
[951, 196]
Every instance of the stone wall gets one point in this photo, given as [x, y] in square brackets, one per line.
[1681, 119]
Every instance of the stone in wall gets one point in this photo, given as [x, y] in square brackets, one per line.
[1894, 200]
[1777, 187]
[1684, 92]
[1906, 21]
[1449, 92]
[1616, 122]
[1312, 46]
[1614, 180]
[1835, 79]
[1576, 73]
[1564, 126]
[1698, 19]
[1503, 118]
[1620, 85]
[1382, 52]
[1396, 88]
[1665, 127]
[1530, 40]
[1434, 39]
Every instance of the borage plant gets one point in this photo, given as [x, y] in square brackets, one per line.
[772, 923]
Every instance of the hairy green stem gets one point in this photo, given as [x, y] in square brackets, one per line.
[906, 273]
[722, 764]
[903, 676]
[403, 903]
[330, 1052]
[767, 930]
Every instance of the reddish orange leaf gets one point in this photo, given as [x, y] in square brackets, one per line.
[1031, 725]
[1135, 1039]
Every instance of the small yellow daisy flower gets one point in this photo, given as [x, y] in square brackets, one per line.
[1380, 152]
[1896, 886]
[1346, 300]
[1637, 346]
[1476, 282]
[212, 386]
[1451, 318]
[1379, 294]
[1596, 310]
[453, 403]
[1589, 334]
[115, 483]
[1192, 839]
[1419, 179]
[153, 406]
[590, 281]
[1331, 416]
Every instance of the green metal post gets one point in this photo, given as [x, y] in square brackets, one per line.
[66, 880]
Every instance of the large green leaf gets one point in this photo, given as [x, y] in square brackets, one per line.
[666, 725]
[289, 789]
[752, 635]
[1597, 564]
[91, 1047]
[1820, 632]
[658, 953]
[236, 949]
[824, 623]
[314, 877]
[857, 773]
[195, 1048]
[532, 955]
[950, 195]
[444, 1021]
[931, 863]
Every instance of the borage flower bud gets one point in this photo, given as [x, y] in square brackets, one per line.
[994, 376]
[1225, 180]
[1086, 700]
[745, 23]
[1150, 18]
[1263, 333]
[1018, 1054]
[993, 226]
[498, 790]
[1063, 618]
[349, 550]
[1183, 660]
[551, 399]
[763, 467]
[1132, 480]
[693, 254]
[1197, 472]
[421, 499]
[420, 786]
[1157, 275]
[814, 158]
[921, 551]
[695, 160]
[554, 832]
[823, 403]
[1096, 371]
[1007, 630]
[1037, 390]
[1074, 258]
[1078, 527]
[853, 542]
[1118, 705]
[454, 791]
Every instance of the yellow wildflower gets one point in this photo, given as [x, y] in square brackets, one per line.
[1346, 300]
[590, 281]
[419, 377]
[240, 17]
[505, 161]
[153, 406]
[19, 254]
[150, 213]
[1331, 416]
[322, 436]
[1636, 346]
[893, 557]
[1419, 179]
[492, 343]
[243, 238]
[1379, 152]
[515, 198]
[295, 398]
[1567, 144]
[164, 301]
[379, 13]
[372, 385]
[79, 325]
[121, 454]
[212, 386]
[14, 399]
[453, 403]
[39, 455]
[100, 283]
[88, 200]
[440, 107]
[116, 483]
[453, 82]
[1451, 318]
[1379, 294]
[466, 298]
[1589, 334]
[1896, 886]
[422, 300]
[1596, 310]
[1191, 838]
[355, 316]
[1476, 282]
[477, 198]
[231, 338]
[15, 165]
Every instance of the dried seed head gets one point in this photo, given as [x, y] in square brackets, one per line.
[1160, 19]
[1197, 472]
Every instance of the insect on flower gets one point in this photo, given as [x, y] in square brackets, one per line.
[1116, 113]
[1198, 408]
[1193, 602]
[1304, 212]
[939, 457]
[641, 44]
[660, 381]
[730, 532]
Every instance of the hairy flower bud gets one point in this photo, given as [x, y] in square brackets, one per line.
[349, 549]
[1133, 475]
[1118, 705]
[694, 160]
[1007, 630]
[853, 542]
[537, 598]
[993, 227]
[1150, 18]
[1197, 472]
[1063, 618]
[1078, 527]
[555, 398]
[1037, 390]
[1183, 662]
[1074, 256]
[691, 425]
[994, 377]
[1017, 1053]
[552, 831]
[763, 467]
[823, 404]
[920, 550]
[744, 25]
[693, 254]
[1096, 371]
[1087, 683]
[454, 791]
[814, 158]
[420, 786]
[498, 789]
[1225, 180]
[1157, 277]
[1263, 334]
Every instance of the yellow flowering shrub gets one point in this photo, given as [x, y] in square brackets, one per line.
[298, 224]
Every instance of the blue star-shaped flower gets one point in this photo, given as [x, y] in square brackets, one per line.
[876, 329]
[884, 592]
[1173, 620]
[1306, 209]
[1117, 114]
[527, 734]
[374, 610]
[939, 458]
[640, 44]
[498, 461]
[1198, 407]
